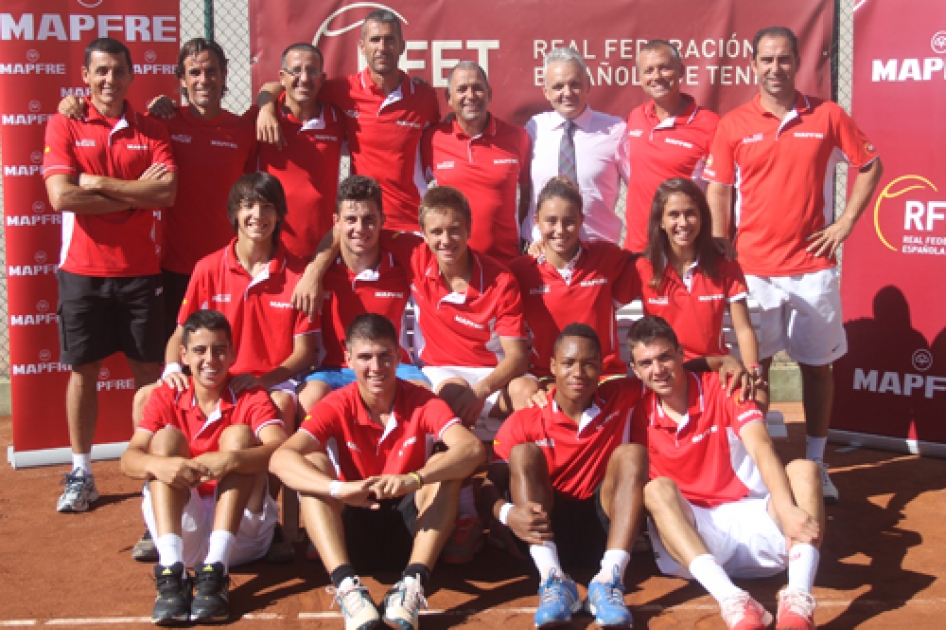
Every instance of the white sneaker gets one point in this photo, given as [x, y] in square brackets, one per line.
[79, 493]
[402, 604]
[828, 489]
[741, 612]
[355, 603]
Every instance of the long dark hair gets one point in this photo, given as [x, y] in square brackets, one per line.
[658, 245]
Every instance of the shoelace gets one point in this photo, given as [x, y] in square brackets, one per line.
[734, 608]
[798, 602]
[411, 598]
[615, 595]
[71, 480]
[552, 594]
[351, 600]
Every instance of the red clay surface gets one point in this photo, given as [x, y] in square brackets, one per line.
[882, 564]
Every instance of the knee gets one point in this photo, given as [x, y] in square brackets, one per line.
[311, 393]
[523, 456]
[286, 404]
[631, 463]
[237, 438]
[169, 442]
[660, 495]
[322, 463]
[521, 389]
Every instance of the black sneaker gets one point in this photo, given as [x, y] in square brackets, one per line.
[145, 549]
[172, 606]
[212, 594]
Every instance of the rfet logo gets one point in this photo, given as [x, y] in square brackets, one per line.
[439, 55]
[910, 217]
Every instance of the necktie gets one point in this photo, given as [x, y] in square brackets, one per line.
[567, 165]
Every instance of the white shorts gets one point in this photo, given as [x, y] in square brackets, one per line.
[252, 539]
[472, 375]
[800, 314]
[741, 536]
[289, 386]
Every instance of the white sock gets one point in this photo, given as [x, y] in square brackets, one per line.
[467, 505]
[802, 567]
[221, 543]
[545, 558]
[170, 549]
[708, 573]
[83, 462]
[814, 448]
[613, 560]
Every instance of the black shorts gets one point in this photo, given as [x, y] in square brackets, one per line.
[101, 316]
[381, 540]
[175, 288]
[581, 530]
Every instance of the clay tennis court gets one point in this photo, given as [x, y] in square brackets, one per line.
[882, 565]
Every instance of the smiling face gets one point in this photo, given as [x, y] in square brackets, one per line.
[560, 222]
[256, 221]
[447, 234]
[204, 81]
[109, 77]
[576, 367]
[360, 223]
[382, 45]
[302, 77]
[209, 355]
[659, 364]
[375, 365]
[660, 74]
[681, 223]
[469, 95]
[566, 88]
[776, 65]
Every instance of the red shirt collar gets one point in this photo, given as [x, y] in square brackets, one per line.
[276, 264]
[684, 118]
[802, 104]
[695, 406]
[406, 85]
[489, 130]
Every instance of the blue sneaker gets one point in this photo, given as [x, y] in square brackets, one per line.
[606, 603]
[558, 599]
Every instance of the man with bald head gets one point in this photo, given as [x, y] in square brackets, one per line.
[573, 140]
[484, 157]
[668, 136]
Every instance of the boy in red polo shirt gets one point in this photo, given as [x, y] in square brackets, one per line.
[369, 488]
[720, 501]
[204, 453]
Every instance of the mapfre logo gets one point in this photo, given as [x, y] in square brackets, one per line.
[915, 68]
[910, 217]
[439, 55]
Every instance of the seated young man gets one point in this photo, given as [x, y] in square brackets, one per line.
[251, 281]
[370, 491]
[363, 278]
[720, 501]
[204, 452]
[576, 481]
[469, 331]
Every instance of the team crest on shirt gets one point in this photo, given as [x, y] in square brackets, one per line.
[545, 443]
[757, 137]
[220, 297]
[85, 142]
[635, 133]
[660, 300]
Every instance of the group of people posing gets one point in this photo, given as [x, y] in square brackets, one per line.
[224, 248]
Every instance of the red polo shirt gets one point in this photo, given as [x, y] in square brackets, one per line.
[577, 454]
[307, 166]
[259, 309]
[695, 314]
[383, 137]
[169, 408]
[363, 448]
[211, 155]
[703, 454]
[119, 244]
[487, 169]
[660, 150]
[384, 290]
[603, 278]
[783, 169]
[453, 328]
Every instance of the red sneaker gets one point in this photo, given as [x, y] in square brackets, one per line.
[465, 541]
[796, 611]
[741, 612]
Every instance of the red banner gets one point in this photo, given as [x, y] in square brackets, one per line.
[509, 39]
[893, 381]
[42, 45]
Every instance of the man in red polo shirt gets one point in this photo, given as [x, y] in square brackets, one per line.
[576, 481]
[784, 146]
[381, 498]
[307, 162]
[204, 452]
[484, 157]
[109, 175]
[669, 136]
[720, 501]
[384, 112]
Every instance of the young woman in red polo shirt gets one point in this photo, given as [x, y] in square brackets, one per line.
[689, 283]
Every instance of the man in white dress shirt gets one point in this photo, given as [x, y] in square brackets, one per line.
[576, 141]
